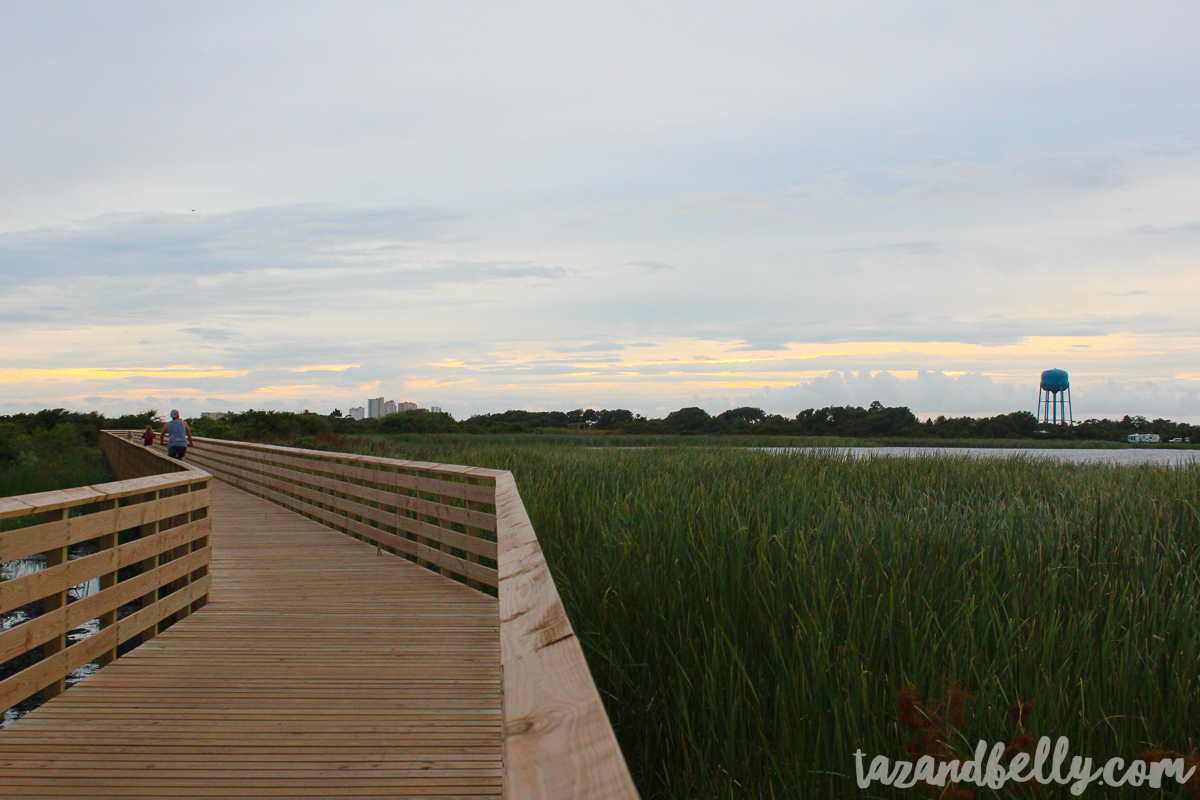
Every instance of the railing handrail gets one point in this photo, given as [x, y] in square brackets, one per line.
[23, 505]
[558, 741]
[333, 456]
[422, 514]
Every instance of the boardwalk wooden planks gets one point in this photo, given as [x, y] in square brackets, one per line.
[320, 667]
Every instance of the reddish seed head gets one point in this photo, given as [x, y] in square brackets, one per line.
[1019, 711]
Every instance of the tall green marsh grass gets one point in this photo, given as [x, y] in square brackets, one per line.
[55, 458]
[751, 618]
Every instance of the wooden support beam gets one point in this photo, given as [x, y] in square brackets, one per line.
[108, 581]
[52, 603]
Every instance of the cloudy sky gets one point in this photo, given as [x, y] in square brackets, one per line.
[486, 206]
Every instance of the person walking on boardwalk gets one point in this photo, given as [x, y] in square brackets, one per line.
[148, 436]
[178, 436]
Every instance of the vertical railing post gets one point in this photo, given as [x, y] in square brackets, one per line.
[197, 545]
[54, 602]
[107, 581]
[149, 564]
[473, 558]
[171, 555]
[445, 500]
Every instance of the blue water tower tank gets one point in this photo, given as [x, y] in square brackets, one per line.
[1055, 381]
[1054, 400]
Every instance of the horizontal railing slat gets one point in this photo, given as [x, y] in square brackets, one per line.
[21, 591]
[266, 486]
[51, 501]
[24, 542]
[443, 511]
[165, 540]
[48, 670]
[462, 541]
[24, 590]
[463, 491]
[26, 504]
[24, 637]
[440, 558]
[371, 462]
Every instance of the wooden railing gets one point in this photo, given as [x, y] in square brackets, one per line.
[150, 537]
[441, 517]
[558, 742]
[128, 460]
[470, 525]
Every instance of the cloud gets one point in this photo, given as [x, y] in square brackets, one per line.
[758, 346]
[652, 266]
[725, 199]
[907, 248]
[1051, 173]
[1187, 227]
[209, 334]
[467, 272]
[265, 261]
[293, 237]
[1073, 172]
[602, 347]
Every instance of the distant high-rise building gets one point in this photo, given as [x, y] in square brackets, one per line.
[356, 413]
[389, 407]
[375, 407]
[214, 414]
[406, 407]
[436, 409]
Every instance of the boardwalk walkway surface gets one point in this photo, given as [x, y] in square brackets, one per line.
[318, 669]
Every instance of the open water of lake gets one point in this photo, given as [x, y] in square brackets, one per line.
[1123, 456]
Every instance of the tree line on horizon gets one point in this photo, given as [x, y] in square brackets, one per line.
[54, 449]
[58, 428]
[874, 421]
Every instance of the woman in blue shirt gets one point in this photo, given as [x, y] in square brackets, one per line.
[177, 435]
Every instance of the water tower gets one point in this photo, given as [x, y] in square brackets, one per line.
[1054, 400]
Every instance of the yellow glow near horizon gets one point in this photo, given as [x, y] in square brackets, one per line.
[288, 391]
[674, 368]
[435, 384]
[324, 368]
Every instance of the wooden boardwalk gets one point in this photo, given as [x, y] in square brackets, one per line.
[318, 669]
